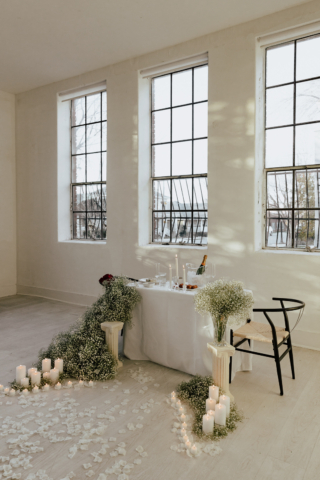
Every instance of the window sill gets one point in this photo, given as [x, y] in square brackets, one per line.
[288, 251]
[173, 246]
[85, 242]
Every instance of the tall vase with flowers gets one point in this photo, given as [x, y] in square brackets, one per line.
[224, 300]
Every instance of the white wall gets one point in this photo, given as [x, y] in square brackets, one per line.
[71, 271]
[8, 265]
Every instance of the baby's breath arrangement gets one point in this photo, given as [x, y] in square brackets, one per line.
[83, 349]
[223, 299]
[195, 392]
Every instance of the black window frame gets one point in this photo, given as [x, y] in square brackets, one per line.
[185, 214]
[102, 212]
[288, 218]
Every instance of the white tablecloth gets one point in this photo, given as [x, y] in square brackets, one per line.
[167, 330]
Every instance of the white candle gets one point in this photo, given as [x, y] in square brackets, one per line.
[177, 267]
[210, 404]
[54, 374]
[6, 390]
[184, 276]
[21, 372]
[211, 413]
[181, 410]
[80, 383]
[183, 431]
[188, 444]
[1, 388]
[35, 378]
[46, 365]
[30, 371]
[178, 403]
[184, 425]
[170, 276]
[25, 382]
[90, 383]
[207, 424]
[185, 438]
[214, 393]
[69, 384]
[220, 414]
[25, 392]
[58, 386]
[46, 375]
[193, 450]
[225, 400]
[183, 417]
[58, 363]
[45, 387]
[35, 389]
[12, 392]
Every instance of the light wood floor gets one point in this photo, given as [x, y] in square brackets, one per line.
[279, 438]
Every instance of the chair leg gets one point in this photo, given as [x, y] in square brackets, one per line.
[230, 361]
[291, 356]
[277, 360]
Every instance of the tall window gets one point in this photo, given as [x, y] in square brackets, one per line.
[88, 164]
[292, 144]
[179, 157]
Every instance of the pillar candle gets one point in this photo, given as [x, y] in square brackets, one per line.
[25, 382]
[58, 363]
[25, 392]
[35, 378]
[207, 424]
[80, 384]
[90, 384]
[46, 365]
[6, 390]
[177, 267]
[54, 374]
[183, 417]
[35, 389]
[12, 392]
[220, 414]
[58, 386]
[225, 400]
[185, 438]
[21, 372]
[194, 450]
[1, 388]
[170, 276]
[69, 384]
[210, 404]
[188, 444]
[214, 393]
[45, 387]
[30, 371]
[46, 375]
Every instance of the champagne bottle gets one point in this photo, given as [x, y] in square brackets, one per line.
[202, 267]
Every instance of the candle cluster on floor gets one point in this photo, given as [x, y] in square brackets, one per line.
[182, 427]
[216, 412]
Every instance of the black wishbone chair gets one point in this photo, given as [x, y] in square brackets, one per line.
[269, 333]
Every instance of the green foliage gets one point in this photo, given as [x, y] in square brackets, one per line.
[195, 392]
[83, 349]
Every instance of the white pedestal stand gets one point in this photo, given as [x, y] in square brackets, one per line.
[112, 330]
[220, 366]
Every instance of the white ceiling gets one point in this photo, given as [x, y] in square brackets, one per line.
[44, 41]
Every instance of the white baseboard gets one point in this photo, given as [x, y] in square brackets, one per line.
[7, 290]
[306, 339]
[66, 297]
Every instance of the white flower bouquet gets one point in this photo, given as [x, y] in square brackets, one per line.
[224, 299]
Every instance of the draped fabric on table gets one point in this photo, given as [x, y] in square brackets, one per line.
[167, 330]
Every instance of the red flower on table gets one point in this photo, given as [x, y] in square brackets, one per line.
[106, 279]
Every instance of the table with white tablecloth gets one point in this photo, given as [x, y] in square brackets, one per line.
[167, 330]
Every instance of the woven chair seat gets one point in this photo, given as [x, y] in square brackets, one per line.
[260, 332]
